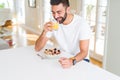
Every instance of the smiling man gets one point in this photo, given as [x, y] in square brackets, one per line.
[72, 36]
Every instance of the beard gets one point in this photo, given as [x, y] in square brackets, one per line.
[61, 19]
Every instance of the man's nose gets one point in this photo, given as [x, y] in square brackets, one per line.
[56, 15]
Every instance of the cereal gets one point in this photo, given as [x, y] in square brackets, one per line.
[53, 51]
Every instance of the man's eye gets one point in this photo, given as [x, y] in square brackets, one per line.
[59, 12]
[53, 12]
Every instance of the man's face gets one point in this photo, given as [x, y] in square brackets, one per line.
[59, 12]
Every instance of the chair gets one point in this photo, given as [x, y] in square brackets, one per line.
[3, 44]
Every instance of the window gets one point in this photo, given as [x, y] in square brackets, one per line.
[95, 14]
[4, 4]
[47, 10]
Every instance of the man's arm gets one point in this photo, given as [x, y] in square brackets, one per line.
[41, 41]
[68, 62]
[84, 46]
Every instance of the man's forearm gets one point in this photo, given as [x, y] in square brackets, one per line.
[41, 41]
[84, 46]
[80, 56]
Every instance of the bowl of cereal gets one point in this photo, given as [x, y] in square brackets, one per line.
[52, 53]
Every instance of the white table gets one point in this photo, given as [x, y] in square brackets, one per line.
[23, 64]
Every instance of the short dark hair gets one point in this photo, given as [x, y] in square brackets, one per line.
[57, 2]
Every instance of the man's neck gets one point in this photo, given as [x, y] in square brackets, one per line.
[68, 19]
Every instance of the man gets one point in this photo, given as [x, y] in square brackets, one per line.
[72, 36]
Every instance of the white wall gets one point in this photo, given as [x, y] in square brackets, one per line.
[33, 16]
[5, 14]
[112, 44]
[75, 6]
[19, 10]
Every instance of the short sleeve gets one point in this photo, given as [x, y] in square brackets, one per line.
[85, 31]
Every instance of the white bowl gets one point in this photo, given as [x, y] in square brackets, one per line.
[52, 56]
[62, 54]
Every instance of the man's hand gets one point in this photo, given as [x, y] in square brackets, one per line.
[48, 26]
[66, 62]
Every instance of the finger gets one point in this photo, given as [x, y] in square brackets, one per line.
[48, 24]
[62, 58]
[65, 61]
[49, 28]
[66, 66]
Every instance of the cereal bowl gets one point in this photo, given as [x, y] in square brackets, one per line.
[52, 56]
[52, 53]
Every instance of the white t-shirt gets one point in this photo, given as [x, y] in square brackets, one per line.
[69, 36]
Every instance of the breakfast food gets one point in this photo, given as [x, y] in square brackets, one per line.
[53, 51]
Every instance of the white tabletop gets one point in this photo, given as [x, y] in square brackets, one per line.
[23, 64]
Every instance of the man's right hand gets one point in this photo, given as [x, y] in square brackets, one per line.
[48, 27]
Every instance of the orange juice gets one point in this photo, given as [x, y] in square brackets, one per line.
[55, 26]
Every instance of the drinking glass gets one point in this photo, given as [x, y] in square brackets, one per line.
[55, 25]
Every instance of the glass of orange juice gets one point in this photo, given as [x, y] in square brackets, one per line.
[55, 25]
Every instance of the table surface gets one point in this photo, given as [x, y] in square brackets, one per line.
[23, 64]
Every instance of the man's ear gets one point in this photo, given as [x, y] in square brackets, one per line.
[68, 9]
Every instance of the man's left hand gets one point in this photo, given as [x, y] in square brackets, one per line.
[65, 62]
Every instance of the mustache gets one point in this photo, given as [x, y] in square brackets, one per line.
[58, 18]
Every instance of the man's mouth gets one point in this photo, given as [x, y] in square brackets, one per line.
[58, 19]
